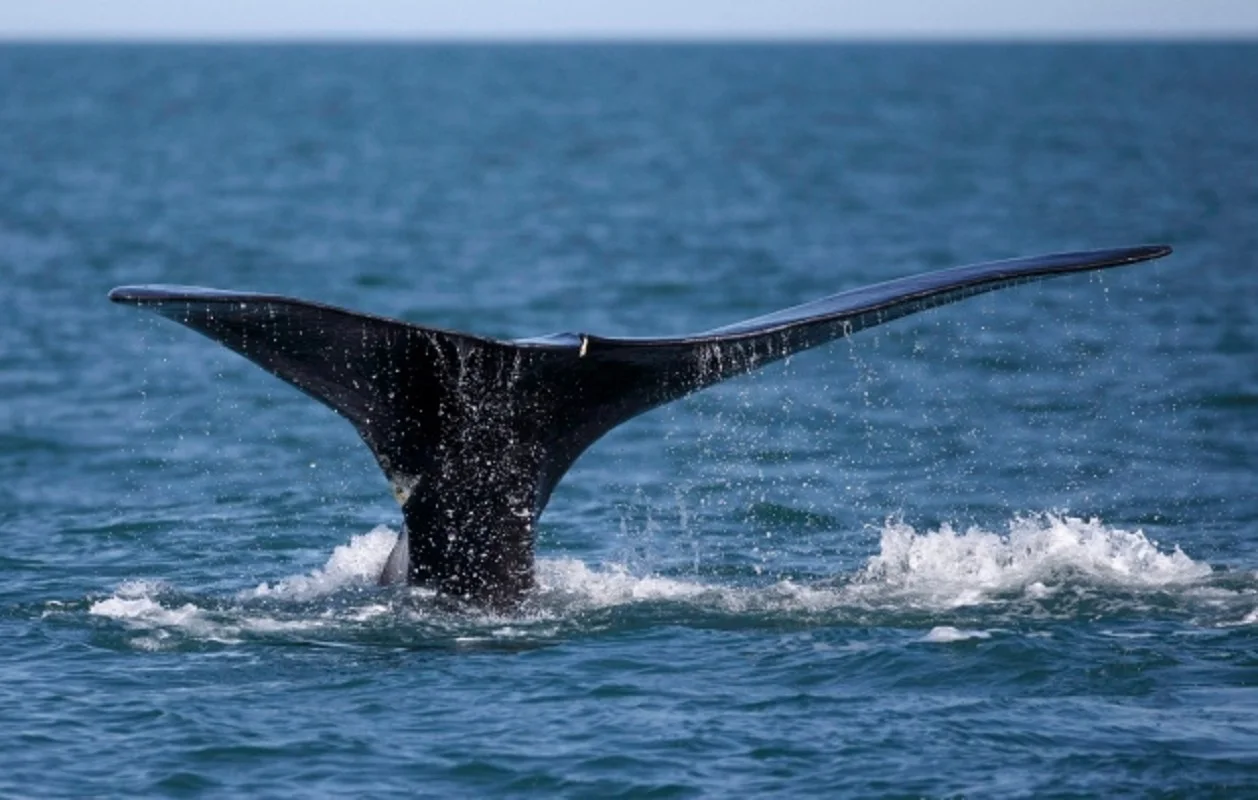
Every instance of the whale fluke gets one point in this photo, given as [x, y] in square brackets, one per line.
[474, 433]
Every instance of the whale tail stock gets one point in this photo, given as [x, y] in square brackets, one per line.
[474, 433]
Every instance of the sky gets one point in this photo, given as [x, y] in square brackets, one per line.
[624, 19]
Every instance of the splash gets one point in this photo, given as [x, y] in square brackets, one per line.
[934, 571]
[135, 600]
[1036, 556]
[933, 579]
[357, 563]
[164, 618]
[569, 581]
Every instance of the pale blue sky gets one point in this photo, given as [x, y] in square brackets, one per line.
[569, 19]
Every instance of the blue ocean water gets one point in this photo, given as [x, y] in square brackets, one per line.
[1003, 548]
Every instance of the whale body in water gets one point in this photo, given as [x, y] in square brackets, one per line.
[474, 433]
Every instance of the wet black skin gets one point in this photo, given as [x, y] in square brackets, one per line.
[474, 433]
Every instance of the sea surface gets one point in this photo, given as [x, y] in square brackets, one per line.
[1005, 548]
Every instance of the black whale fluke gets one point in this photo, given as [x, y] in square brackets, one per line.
[474, 433]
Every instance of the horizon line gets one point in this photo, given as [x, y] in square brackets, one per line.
[643, 38]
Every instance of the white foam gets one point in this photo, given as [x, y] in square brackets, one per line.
[612, 585]
[146, 609]
[357, 563]
[566, 585]
[1036, 559]
[135, 605]
[944, 634]
[140, 605]
[133, 600]
[935, 570]
[943, 568]
[1250, 618]
[158, 621]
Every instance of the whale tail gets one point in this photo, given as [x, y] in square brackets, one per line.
[474, 433]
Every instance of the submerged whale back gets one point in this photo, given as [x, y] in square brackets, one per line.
[474, 433]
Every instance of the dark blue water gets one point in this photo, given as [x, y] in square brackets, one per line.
[1004, 548]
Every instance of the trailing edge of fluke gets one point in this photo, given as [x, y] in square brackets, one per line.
[474, 433]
